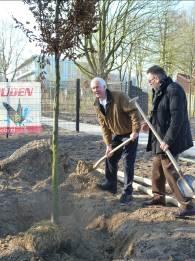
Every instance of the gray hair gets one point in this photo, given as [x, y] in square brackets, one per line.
[100, 81]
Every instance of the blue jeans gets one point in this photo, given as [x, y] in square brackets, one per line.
[128, 153]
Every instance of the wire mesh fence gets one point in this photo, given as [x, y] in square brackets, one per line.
[30, 107]
[27, 108]
[68, 101]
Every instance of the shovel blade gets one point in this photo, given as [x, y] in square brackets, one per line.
[187, 185]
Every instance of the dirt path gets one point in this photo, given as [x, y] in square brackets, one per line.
[93, 225]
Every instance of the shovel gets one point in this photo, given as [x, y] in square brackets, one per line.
[84, 168]
[186, 183]
[95, 165]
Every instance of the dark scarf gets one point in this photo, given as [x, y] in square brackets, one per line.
[156, 97]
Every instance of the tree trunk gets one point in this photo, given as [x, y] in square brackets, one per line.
[55, 194]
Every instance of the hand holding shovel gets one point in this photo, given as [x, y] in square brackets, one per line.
[186, 183]
[85, 168]
[95, 165]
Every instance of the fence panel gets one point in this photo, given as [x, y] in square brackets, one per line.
[87, 113]
[37, 107]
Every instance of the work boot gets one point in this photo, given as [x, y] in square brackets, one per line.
[107, 186]
[185, 210]
[155, 201]
[125, 199]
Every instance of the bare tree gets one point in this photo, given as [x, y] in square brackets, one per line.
[135, 50]
[165, 48]
[186, 54]
[186, 40]
[119, 25]
[12, 44]
[155, 41]
[60, 24]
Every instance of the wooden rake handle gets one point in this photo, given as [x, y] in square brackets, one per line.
[112, 151]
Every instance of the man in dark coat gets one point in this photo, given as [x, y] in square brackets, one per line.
[169, 117]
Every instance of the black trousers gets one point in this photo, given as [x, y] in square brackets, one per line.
[128, 154]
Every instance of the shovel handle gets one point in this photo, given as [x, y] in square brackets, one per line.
[112, 151]
[172, 159]
[159, 139]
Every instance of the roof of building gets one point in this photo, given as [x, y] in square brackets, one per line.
[33, 57]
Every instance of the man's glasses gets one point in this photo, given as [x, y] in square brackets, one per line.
[151, 80]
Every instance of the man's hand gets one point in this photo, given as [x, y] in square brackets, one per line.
[108, 150]
[164, 146]
[134, 135]
[144, 127]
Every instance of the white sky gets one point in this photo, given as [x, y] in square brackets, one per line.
[9, 8]
[15, 8]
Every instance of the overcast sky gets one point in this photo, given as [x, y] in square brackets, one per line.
[19, 10]
[16, 8]
[9, 8]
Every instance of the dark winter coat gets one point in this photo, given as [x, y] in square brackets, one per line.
[170, 118]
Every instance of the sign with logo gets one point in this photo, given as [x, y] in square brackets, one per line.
[20, 107]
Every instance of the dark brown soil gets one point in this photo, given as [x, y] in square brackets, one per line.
[93, 225]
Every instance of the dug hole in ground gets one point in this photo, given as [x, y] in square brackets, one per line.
[93, 225]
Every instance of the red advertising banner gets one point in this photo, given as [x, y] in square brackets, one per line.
[20, 108]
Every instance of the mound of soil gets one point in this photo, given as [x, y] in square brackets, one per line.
[93, 225]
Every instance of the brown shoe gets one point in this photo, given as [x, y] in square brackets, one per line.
[160, 201]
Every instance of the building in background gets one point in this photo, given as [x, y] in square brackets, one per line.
[188, 84]
[185, 81]
[30, 70]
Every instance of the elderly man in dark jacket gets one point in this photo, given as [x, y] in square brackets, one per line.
[170, 119]
[119, 120]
